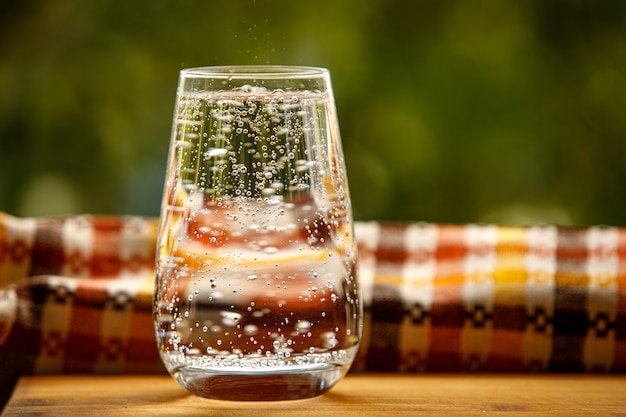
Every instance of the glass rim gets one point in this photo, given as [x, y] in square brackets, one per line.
[254, 71]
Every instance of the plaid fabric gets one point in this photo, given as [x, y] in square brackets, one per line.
[75, 297]
[486, 298]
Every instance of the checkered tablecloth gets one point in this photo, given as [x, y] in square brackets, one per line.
[76, 297]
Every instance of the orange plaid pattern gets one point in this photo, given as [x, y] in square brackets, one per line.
[76, 296]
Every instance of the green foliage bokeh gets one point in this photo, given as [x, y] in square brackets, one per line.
[451, 111]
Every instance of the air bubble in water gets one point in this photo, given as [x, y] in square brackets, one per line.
[303, 325]
[250, 329]
[230, 318]
[330, 339]
[277, 186]
[328, 335]
[268, 192]
[212, 153]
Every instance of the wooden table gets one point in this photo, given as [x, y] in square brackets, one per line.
[356, 395]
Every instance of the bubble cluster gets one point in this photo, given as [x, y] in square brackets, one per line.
[250, 143]
[260, 261]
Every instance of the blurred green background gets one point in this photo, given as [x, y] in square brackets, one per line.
[500, 111]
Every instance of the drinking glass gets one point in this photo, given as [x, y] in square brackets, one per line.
[256, 293]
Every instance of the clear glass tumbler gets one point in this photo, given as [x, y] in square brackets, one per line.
[256, 295]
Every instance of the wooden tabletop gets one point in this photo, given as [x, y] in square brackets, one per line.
[356, 395]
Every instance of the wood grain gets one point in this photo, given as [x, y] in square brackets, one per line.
[356, 395]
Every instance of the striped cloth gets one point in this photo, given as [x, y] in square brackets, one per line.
[75, 297]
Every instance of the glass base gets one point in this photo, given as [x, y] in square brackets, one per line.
[289, 383]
